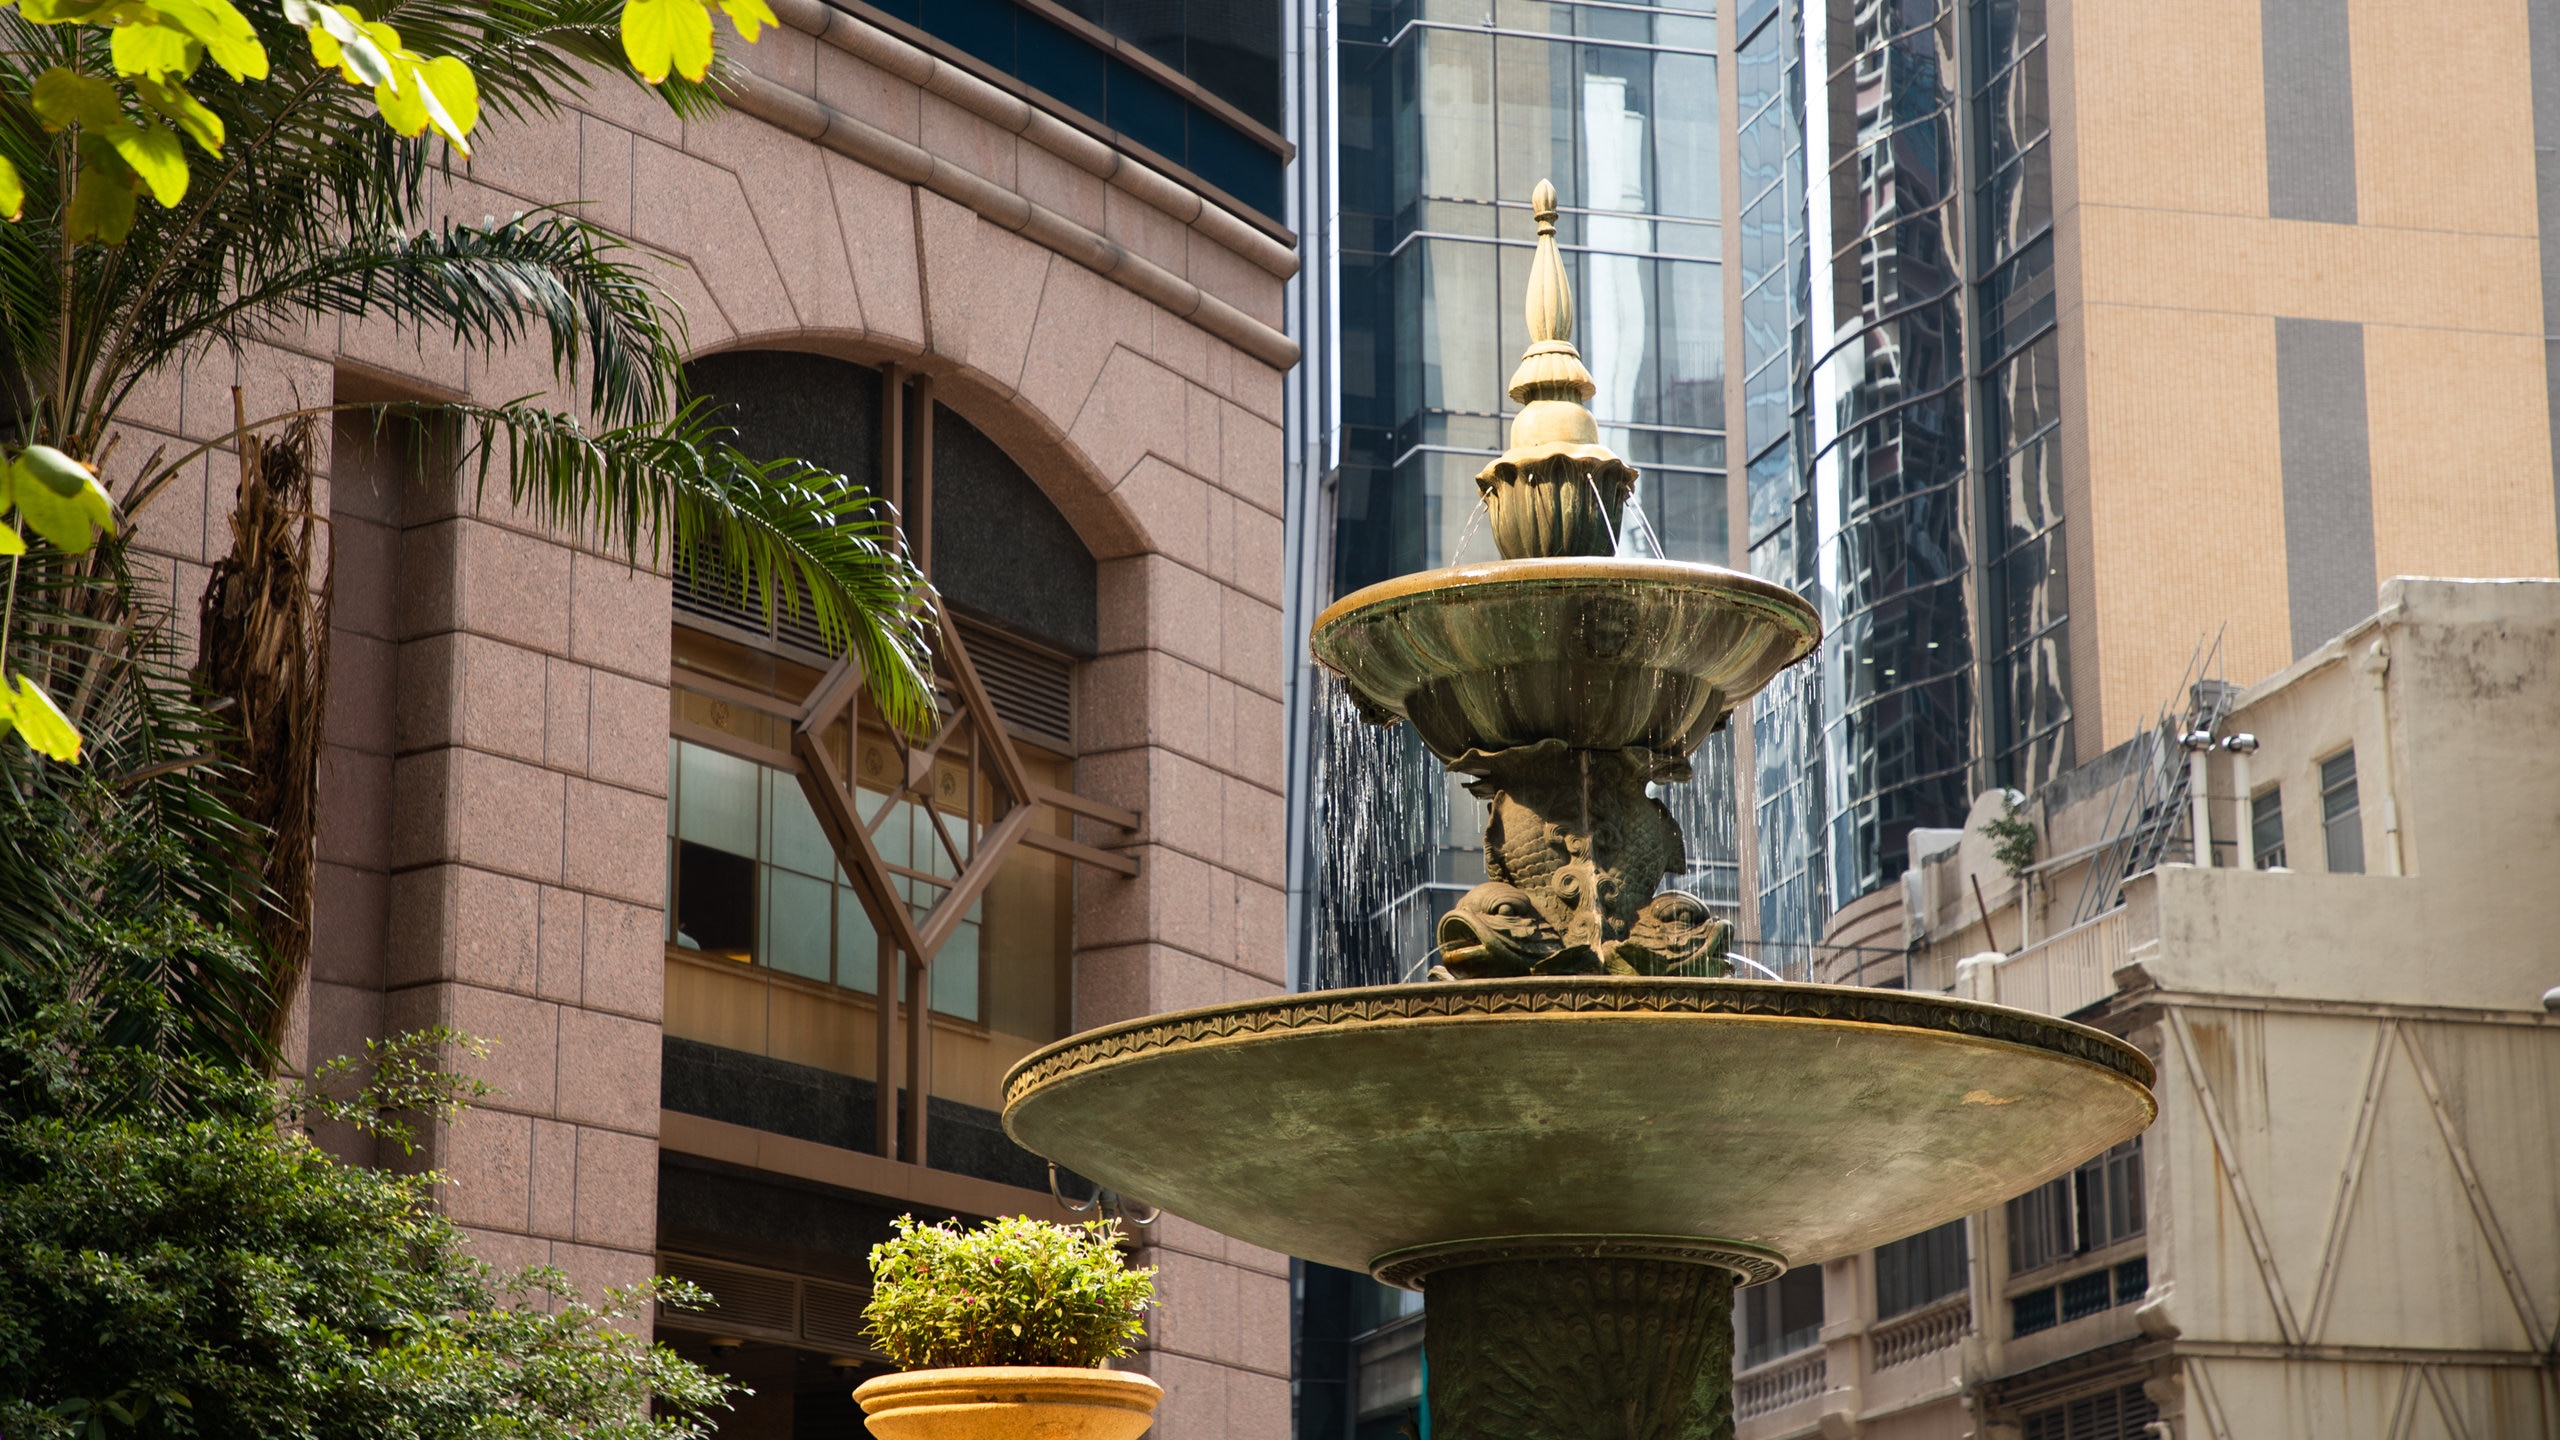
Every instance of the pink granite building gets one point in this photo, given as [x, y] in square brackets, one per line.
[625, 831]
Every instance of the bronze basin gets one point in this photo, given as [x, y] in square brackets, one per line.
[1745, 1124]
[1602, 654]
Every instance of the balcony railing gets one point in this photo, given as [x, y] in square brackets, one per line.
[2069, 972]
[1926, 1331]
[1780, 1383]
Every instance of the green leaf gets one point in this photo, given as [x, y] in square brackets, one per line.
[225, 33]
[657, 34]
[63, 98]
[44, 727]
[156, 49]
[11, 543]
[340, 39]
[155, 154]
[102, 199]
[172, 101]
[66, 520]
[750, 16]
[453, 96]
[13, 190]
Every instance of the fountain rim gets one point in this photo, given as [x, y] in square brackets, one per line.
[1559, 570]
[1598, 996]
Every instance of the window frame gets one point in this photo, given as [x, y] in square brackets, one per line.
[2349, 823]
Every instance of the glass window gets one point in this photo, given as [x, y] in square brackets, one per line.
[2341, 824]
[2097, 1205]
[1779, 1317]
[1915, 1270]
[2266, 829]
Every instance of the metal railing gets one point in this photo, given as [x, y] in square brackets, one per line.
[1780, 1383]
[2069, 972]
[1925, 1331]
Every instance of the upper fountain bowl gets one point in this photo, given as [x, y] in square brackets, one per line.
[1600, 653]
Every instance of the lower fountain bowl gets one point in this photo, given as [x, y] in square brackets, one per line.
[1603, 654]
[1746, 1124]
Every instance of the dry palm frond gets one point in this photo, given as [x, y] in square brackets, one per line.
[263, 644]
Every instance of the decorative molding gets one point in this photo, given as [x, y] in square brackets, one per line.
[788, 110]
[1749, 1264]
[1646, 995]
[873, 45]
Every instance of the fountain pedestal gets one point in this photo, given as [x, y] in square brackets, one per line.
[1598, 1349]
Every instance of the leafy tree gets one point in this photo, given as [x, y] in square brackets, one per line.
[177, 1258]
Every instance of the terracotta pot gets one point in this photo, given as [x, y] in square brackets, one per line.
[1009, 1402]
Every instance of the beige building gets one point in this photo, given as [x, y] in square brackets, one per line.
[2346, 1222]
[624, 832]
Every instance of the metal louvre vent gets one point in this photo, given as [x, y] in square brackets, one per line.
[750, 1302]
[741, 1299]
[711, 593]
[1033, 689]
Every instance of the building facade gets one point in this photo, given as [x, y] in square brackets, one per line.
[751, 965]
[2342, 1223]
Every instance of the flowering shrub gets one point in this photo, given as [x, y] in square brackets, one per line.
[1010, 1292]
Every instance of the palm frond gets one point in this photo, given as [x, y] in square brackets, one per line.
[788, 534]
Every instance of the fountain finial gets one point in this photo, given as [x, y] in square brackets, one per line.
[1557, 491]
[1551, 369]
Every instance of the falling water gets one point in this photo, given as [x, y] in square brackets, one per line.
[1384, 832]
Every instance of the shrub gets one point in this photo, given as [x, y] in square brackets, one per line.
[1010, 1292]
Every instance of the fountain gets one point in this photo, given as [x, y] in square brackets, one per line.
[1581, 1133]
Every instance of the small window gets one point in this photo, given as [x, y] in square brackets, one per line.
[2341, 823]
[2266, 829]
[2098, 1205]
[1918, 1269]
[2124, 1413]
[1780, 1317]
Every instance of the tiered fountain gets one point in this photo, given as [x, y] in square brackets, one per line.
[1581, 1134]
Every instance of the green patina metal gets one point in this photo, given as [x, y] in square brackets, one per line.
[1583, 1135]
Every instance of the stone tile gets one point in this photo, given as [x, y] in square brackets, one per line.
[1171, 508]
[339, 1019]
[1220, 561]
[503, 706]
[780, 54]
[425, 712]
[688, 206]
[506, 1251]
[1221, 749]
[480, 809]
[626, 735]
[794, 216]
[1053, 181]
[1252, 824]
[1005, 277]
[355, 800]
[953, 134]
[522, 1034]
[619, 618]
[1113, 984]
[617, 1190]
[1120, 602]
[1253, 653]
[1182, 612]
[595, 1269]
[878, 219]
[1202, 451]
[560, 948]
[552, 1182]
[615, 1062]
[1261, 746]
[1196, 1306]
[1261, 554]
[869, 93]
[535, 160]
[625, 968]
[1262, 929]
[350, 918]
[1115, 700]
[1251, 465]
[1071, 342]
[514, 587]
[1178, 345]
[1258, 1406]
[946, 244]
[1186, 805]
[173, 522]
[430, 598]
[487, 1161]
[1236, 280]
[1135, 409]
[615, 841]
[454, 922]
[604, 174]
[1174, 901]
[364, 690]
[564, 716]
[1195, 1398]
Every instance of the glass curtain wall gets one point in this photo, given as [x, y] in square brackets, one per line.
[1769, 69]
[1896, 563]
[1445, 122]
[2021, 389]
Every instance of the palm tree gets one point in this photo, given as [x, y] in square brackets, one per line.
[314, 207]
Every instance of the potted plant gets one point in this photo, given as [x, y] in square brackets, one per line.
[1000, 1333]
